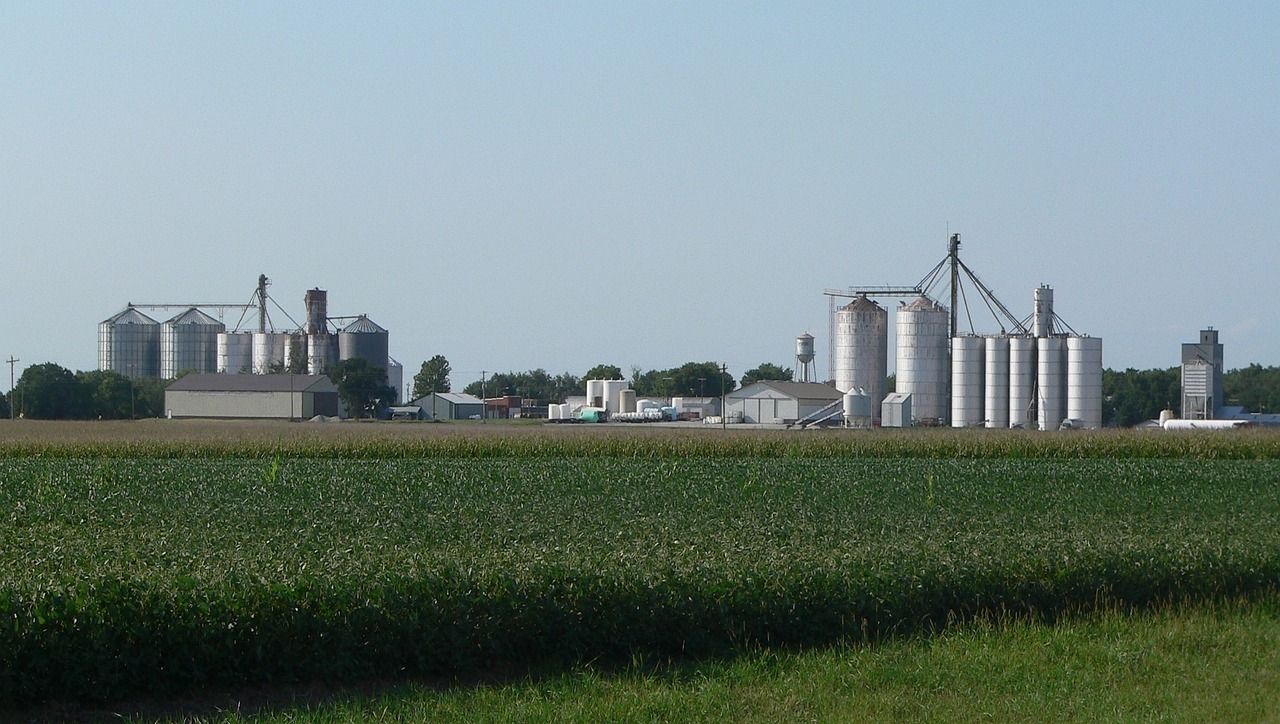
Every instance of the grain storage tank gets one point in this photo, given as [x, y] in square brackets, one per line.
[967, 373]
[626, 400]
[322, 350]
[189, 341]
[1051, 381]
[923, 371]
[1084, 380]
[1022, 381]
[268, 351]
[395, 377]
[861, 348]
[1042, 316]
[857, 409]
[235, 353]
[129, 343]
[364, 339]
[996, 382]
[295, 353]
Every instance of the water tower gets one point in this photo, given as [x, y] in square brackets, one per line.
[804, 357]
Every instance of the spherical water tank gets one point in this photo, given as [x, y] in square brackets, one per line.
[129, 343]
[1084, 380]
[1022, 381]
[923, 334]
[967, 372]
[362, 338]
[235, 353]
[996, 384]
[1051, 381]
[861, 348]
[189, 341]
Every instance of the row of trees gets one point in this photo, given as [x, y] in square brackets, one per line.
[50, 392]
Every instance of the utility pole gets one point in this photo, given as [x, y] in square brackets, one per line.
[484, 405]
[724, 411]
[12, 361]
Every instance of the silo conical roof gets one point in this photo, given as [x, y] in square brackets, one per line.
[195, 316]
[922, 304]
[363, 325]
[861, 303]
[129, 316]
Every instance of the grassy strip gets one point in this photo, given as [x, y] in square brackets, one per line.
[1216, 662]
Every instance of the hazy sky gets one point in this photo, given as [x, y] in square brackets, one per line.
[556, 185]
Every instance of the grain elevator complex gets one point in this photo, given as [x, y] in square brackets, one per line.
[1034, 372]
[137, 346]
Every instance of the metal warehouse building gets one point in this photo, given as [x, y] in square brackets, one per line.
[281, 397]
[772, 402]
[450, 406]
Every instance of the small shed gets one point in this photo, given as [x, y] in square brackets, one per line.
[777, 402]
[895, 411]
[281, 397]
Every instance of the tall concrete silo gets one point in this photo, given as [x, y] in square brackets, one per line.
[967, 375]
[235, 353]
[1084, 380]
[1051, 381]
[189, 341]
[862, 348]
[129, 343]
[996, 382]
[924, 328]
[1022, 381]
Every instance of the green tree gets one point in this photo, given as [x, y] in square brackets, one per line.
[1132, 396]
[433, 377]
[535, 384]
[4, 407]
[362, 387]
[49, 392]
[110, 395]
[691, 379]
[767, 371]
[1255, 388]
[604, 372]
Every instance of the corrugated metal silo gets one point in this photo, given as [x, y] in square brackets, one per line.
[862, 348]
[1084, 380]
[129, 343]
[189, 341]
[235, 353]
[364, 339]
[967, 372]
[268, 351]
[1051, 381]
[1022, 381]
[996, 384]
[923, 333]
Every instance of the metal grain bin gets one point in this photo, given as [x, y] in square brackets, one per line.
[189, 341]
[129, 343]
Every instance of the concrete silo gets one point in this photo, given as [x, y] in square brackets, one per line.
[967, 374]
[1051, 381]
[1022, 381]
[1084, 380]
[235, 353]
[189, 341]
[923, 328]
[862, 348]
[996, 382]
[129, 343]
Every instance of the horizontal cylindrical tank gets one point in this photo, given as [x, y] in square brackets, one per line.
[923, 328]
[1022, 381]
[1176, 424]
[967, 373]
[1084, 380]
[861, 348]
[366, 340]
[268, 351]
[1051, 381]
[996, 382]
[129, 343]
[235, 353]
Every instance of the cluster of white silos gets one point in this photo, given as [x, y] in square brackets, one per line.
[1046, 378]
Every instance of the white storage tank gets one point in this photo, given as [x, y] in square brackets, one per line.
[613, 394]
[129, 343]
[967, 372]
[1051, 381]
[923, 328]
[1042, 317]
[295, 352]
[1022, 381]
[235, 353]
[627, 400]
[996, 382]
[553, 412]
[595, 393]
[268, 351]
[857, 409]
[1084, 380]
[861, 348]
[321, 352]
[189, 341]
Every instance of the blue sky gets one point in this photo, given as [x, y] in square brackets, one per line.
[556, 185]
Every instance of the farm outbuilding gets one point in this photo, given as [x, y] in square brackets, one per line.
[774, 402]
[450, 406]
[281, 397]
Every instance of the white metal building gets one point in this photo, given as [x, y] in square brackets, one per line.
[449, 406]
[775, 402]
[283, 397]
